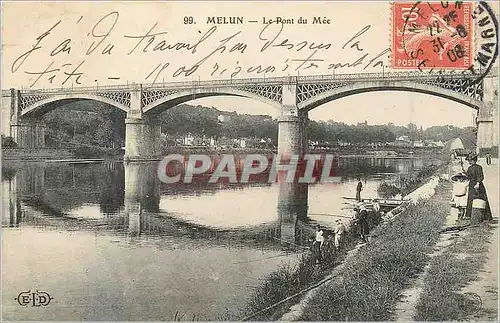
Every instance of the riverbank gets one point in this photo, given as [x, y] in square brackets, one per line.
[36, 154]
[461, 283]
[287, 285]
[370, 283]
[91, 152]
[80, 152]
[385, 152]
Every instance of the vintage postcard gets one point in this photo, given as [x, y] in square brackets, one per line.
[249, 161]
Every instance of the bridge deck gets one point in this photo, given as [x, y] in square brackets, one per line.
[360, 77]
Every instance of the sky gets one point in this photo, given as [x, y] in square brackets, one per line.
[400, 108]
[102, 41]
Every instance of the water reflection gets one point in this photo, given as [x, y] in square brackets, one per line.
[120, 236]
[130, 198]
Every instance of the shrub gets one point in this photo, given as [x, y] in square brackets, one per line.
[8, 142]
[386, 190]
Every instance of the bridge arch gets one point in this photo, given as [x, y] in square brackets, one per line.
[376, 86]
[176, 98]
[59, 100]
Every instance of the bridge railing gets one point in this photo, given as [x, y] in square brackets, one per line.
[80, 89]
[214, 83]
[313, 78]
[390, 76]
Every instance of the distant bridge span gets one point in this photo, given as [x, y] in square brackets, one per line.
[292, 96]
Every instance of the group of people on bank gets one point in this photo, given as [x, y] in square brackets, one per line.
[467, 194]
[359, 224]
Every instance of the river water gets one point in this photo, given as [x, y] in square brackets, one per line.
[108, 241]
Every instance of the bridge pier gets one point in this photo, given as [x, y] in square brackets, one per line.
[487, 119]
[292, 124]
[304, 123]
[142, 139]
[142, 134]
[292, 206]
[292, 135]
[142, 194]
[132, 206]
[289, 135]
[19, 132]
[485, 129]
[28, 135]
[11, 206]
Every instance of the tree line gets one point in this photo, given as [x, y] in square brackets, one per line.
[96, 124]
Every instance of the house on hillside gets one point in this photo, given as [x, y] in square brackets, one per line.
[188, 140]
[438, 143]
[239, 143]
[224, 118]
[418, 143]
[433, 143]
[403, 141]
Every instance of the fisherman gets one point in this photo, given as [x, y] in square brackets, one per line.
[359, 188]
[339, 231]
[328, 252]
[362, 222]
[376, 209]
[488, 159]
[318, 244]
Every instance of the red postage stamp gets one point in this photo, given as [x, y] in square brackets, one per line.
[432, 35]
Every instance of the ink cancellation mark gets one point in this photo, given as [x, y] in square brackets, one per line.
[432, 35]
[470, 303]
[486, 39]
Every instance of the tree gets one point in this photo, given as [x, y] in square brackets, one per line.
[8, 142]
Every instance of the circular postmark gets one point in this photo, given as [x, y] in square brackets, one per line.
[471, 303]
[486, 40]
[444, 35]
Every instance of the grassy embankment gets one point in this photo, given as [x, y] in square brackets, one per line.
[415, 232]
[449, 272]
[372, 281]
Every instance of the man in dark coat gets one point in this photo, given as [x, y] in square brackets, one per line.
[359, 188]
[488, 159]
[362, 222]
[476, 187]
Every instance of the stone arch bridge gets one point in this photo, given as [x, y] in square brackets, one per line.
[292, 96]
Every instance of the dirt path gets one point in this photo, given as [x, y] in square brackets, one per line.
[405, 308]
[487, 285]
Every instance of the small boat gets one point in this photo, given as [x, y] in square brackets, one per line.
[370, 199]
[385, 204]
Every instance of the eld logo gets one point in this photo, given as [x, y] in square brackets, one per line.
[36, 299]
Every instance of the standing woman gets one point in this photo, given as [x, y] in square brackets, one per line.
[476, 187]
